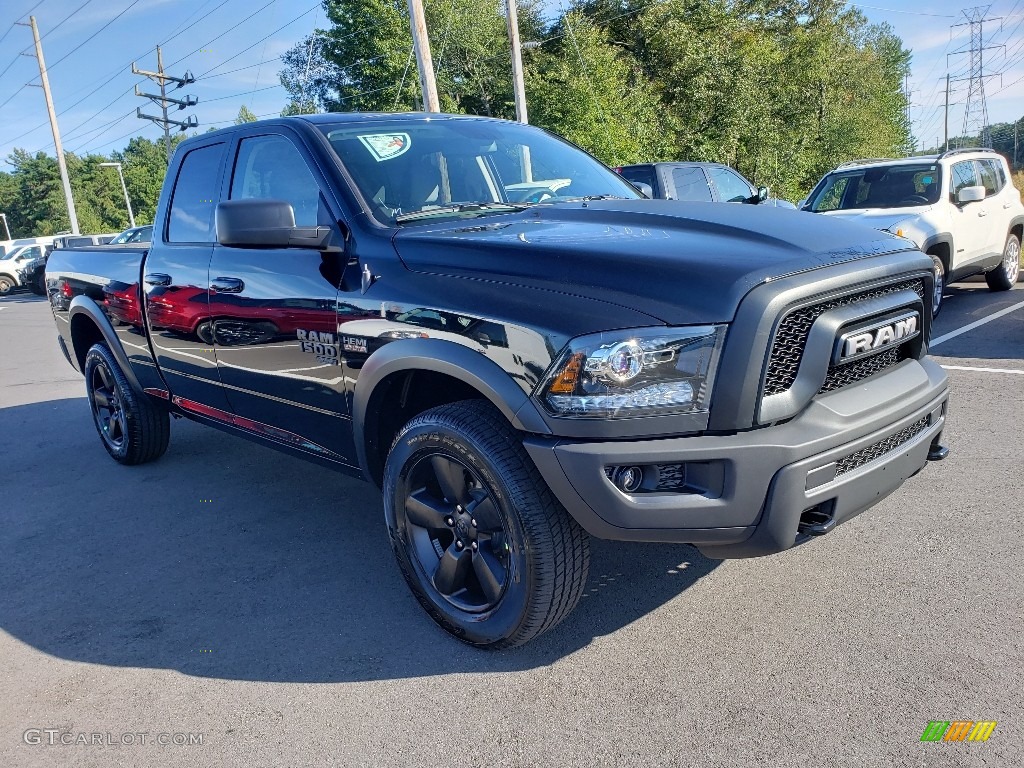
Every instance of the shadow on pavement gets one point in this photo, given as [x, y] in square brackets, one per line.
[228, 560]
[22, 296]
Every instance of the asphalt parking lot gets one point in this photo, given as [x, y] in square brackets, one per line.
[234, 592]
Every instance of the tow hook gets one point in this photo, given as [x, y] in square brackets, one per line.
[816, 521]
[937, 452]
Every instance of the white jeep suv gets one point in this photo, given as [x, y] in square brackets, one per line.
[959, 207]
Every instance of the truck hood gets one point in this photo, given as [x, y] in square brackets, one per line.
[679, 262]
[879, 218]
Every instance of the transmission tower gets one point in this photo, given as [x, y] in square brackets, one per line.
[976, 111]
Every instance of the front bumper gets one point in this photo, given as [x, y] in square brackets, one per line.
[845, 452]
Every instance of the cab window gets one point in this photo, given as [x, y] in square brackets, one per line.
[272, 167]
[731, 188]
[691, 184]
[195, 196]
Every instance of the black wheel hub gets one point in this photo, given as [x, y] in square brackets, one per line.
[107, 408]
[455, 533]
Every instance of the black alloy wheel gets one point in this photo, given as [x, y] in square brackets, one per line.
[107, 409]
[481, 541]
[455, 532]
[134, 428]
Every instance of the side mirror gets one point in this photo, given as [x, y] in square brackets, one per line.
[646, 189]
[259, 223]
[762, 194]
[970, 195]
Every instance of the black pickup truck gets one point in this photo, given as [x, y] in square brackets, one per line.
[518, 349]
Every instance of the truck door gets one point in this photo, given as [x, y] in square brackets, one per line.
[176, 281]
[274, 310]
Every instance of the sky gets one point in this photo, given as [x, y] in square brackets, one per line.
[232, 47]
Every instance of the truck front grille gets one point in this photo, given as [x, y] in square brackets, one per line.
[882, 447]
[791, 337]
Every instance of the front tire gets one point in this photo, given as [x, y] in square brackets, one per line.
[7, 285]
[132, 427]
[939, 284]
[1004, 277]
[38, 286]
[483, 544]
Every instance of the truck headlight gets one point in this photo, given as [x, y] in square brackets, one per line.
[637, 372]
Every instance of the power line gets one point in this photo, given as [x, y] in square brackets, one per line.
[92, 37]
[14, 23]
[231, 58]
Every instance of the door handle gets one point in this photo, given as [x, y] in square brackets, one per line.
[227, 285]
[983, 213]
[1007, 205]
[157, 278]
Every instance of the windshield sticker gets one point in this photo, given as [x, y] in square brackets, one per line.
[385, 146]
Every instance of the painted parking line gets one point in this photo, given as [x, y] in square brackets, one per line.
[983, 370]
[976, 324]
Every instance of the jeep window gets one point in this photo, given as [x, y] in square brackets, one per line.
[462, 167]
[691, 184]
[964, 174]
[887, 186]
[989, 176]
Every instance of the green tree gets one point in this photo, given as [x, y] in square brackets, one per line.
[245, 115]
[145, 164]
[595, 94]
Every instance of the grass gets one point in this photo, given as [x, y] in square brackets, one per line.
[1018, 182]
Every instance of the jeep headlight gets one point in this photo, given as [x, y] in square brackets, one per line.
[637, 372]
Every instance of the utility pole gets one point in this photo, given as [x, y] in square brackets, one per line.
[946, 121]
[512, 21]
[163, 100]
[421, 42]
[61, 163]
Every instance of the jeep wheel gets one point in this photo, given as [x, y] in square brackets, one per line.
[939, 284]
[6, 285]
[133, 428]
[38, 286]
[1003, 277]
[483, 544]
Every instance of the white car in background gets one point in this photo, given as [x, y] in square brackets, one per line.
[959, 207]
[13, 263]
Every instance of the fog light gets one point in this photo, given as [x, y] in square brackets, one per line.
[628, 479]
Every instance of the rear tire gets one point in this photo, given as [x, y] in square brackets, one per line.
[132, 428]
[1004, 277]
[482, 542]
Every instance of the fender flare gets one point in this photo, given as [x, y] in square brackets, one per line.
[1016, 221]
[452, 359]
[943, 238]
[83, 305]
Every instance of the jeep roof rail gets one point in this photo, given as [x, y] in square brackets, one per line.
[961, 150]
[865, 161]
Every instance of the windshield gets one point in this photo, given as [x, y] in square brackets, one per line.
[13, 252]
[887, 186]
[459, 168]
